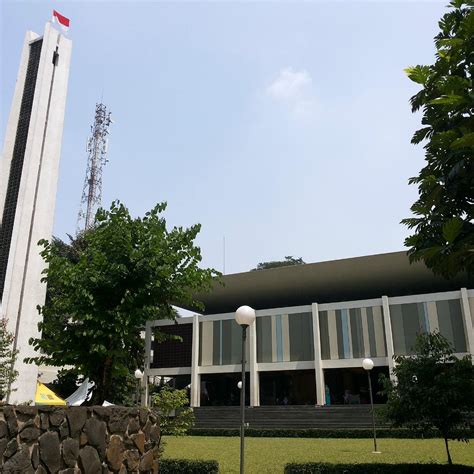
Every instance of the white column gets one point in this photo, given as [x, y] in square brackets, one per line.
[318, 368]
[146, 371]
[254, 381]
[388, 335]
[195, 378]
[467, 320]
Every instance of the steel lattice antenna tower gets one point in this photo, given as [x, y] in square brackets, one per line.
[97, 157]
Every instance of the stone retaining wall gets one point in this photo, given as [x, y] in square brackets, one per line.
[91, 440]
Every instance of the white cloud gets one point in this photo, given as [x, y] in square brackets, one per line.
[294, 89]
[289, 85]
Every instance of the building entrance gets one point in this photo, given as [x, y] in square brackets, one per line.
[291, 387]
[222, 389]
[351, 387]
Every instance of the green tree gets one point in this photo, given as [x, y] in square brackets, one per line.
[431, 389]
[289, 261]
[443, 224]
[176, 418]
[8, 355]
[125, 272]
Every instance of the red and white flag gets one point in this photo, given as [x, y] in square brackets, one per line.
[62, 20]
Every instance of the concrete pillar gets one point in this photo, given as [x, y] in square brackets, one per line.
[388, 335]
[145, 392]
[467, 320]
[319, 373]
[195, 378]
[254, 380]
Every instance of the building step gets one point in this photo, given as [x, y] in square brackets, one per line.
[288, 417]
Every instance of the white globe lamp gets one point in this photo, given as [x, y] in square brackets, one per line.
[245, 316]
[138, 374]
[368, 364]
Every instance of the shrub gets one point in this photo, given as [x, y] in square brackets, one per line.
[376, 468]
[188, 466]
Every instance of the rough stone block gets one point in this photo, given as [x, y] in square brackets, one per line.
[50, 452]
[19, 462]
[64, 429]
[153, 416]
[133, 426]
[132, 459]
[56, 417]
[44, 421]
[146, 462]
[35, 456]
[143, 416]
[155, 433]
[89, 460]
[3, 445]
[102, 412]
[29, 433]
[139, 441]
[96, 432]
[3, 429]
[115, 453]
[70, 451]
[12, 422]
[11, 449]
[83, 439]
[118, 421]
[147, 428]
[25, 413]
[76, 417]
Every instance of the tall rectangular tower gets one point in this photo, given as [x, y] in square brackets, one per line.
[28, 181]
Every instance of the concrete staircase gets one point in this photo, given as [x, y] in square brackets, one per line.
[286, 417]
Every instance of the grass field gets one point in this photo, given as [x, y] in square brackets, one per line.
[269, 455]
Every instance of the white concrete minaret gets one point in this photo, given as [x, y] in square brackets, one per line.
[28, 181]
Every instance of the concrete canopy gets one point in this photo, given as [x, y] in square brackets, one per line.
[349, 279]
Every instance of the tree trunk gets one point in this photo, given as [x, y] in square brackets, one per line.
[447, 450]
[104, 384]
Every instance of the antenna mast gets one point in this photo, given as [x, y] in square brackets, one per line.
[97, 158]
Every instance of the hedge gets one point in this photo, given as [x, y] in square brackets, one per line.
[376, 468]
[188, 466]
[323, 433]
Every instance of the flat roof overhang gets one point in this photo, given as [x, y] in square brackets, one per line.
[349, 279]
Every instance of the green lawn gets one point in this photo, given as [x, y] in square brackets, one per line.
[269, 455]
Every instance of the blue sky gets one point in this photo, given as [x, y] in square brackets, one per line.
[284, 127]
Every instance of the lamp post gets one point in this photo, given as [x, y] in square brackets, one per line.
[138, 376]
[368, 365]
[244, 316]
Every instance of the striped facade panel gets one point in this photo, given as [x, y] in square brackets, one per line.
[264, 339]
[301, 336]
[352, 333]
[173, 347]
[451, 323]
[220, 343]
[206, 337]
[285, 338]
[471, 307]
[411, 319]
